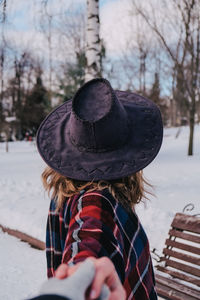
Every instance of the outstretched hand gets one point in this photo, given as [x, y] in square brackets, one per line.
[104, 274]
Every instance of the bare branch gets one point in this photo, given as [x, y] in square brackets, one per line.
[154, 27]
[3, 3]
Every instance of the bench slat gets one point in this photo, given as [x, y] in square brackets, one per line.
[172, 289]
[178, 287]
[186, 222]
[182, 246]
[183, 267]
[182, 256]
[185, 236]
[168, 293]
[179, 275]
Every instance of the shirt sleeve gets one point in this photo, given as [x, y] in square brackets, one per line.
[92, 231]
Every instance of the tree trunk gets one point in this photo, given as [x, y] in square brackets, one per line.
[93, 47]
[7, 149]
[50, 56]
[192, 121]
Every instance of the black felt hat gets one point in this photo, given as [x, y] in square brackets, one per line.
[101, 133]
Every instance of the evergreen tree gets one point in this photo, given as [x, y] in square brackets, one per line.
[36, 107]
[155, 90]
[154, 95]
[1, 119]
[1, 113]
[180, 95]
[73, 77]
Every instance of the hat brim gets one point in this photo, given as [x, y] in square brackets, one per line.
[143, 143]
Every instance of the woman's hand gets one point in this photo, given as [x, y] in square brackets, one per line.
[105, 273]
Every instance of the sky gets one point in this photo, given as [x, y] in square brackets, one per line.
[115, 17]
[20, 10]
[119, 27]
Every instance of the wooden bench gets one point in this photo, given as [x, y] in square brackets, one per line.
[178, 275]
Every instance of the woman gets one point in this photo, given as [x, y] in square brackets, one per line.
[95, 147]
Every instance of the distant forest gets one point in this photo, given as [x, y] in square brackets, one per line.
[161, 61]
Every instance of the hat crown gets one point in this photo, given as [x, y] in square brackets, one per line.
[92, 102]
[98, 121]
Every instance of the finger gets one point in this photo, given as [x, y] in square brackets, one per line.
[116, 288]
[105, 273]
[72, 269]
[62, 271]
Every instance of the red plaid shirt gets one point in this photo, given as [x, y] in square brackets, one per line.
[95, 224]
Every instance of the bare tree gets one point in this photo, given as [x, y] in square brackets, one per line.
[46, 26]
[2, 60]
[3, 4]
[136, 57]
[183, 50]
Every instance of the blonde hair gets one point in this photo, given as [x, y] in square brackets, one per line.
[128, 190]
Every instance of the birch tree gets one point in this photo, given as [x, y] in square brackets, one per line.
[93, 45]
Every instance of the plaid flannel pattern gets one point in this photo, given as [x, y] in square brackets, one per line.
[95, 224]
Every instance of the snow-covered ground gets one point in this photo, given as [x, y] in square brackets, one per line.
[24, 205]
[22, 269]
[176, 179]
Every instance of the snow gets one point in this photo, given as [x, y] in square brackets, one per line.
[22, 269]
[24, 205]
[175, 177]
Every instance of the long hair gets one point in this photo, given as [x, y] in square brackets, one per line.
[128, 190]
